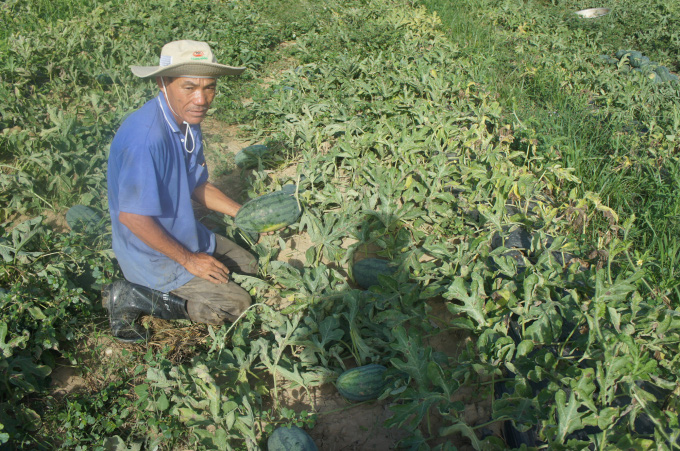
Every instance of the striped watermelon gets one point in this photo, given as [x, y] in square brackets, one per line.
[366, 271]
[362, 383]
[270, 212]
[290, 439]
[249, 156]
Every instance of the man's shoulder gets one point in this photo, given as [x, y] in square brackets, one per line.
[144, 124]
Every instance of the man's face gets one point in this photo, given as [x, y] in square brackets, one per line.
[189, 98]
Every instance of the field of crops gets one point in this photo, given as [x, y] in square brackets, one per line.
[506, 158]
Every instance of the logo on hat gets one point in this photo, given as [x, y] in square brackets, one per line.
[199, 55]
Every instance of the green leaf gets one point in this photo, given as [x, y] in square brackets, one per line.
[585, 388]
[36, 313]
[330, 330]
[607, 416]
[568, 416]
[548, 323]
[473, 300]
[190, 416]
[521, 411]
[142, 391]
[436, 375]
[413, 409]
[162, 402]
[7, 347]
[465, 431]
[116, 443]
[524, 348]
[158, 377]
[410, 346]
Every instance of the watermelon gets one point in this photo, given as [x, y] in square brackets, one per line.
[518, 238]
[629, 53]
[606, 59]
[269, 212]
[81, 218]
[639, 62]
[248, 157]
[362, 383]
[289, 188]
[366, 271]
[290, 438]
[663, 73]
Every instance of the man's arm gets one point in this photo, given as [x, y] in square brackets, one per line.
[153, 235]
[211, 197]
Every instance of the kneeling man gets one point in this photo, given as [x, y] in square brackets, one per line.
[174, 267]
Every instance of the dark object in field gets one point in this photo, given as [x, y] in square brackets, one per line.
[366, 271]
[290, 438]
[518, 242]
[249, 156]
[515, 438]
[126, 302]
[638, 63]
[518, 238]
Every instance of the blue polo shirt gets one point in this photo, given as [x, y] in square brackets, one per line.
[150, 173]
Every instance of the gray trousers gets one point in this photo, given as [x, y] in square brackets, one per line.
[217, 304]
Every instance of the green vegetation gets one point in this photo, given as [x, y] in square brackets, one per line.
[509, 174]
[618, 133]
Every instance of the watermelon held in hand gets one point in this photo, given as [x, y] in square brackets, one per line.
[362, 383]
[267, 213]
[81, 218]
[366, 271]
[290, 439]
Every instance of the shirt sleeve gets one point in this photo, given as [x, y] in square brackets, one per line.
[138, 181]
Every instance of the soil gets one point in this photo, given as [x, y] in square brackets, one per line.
[340, 424]
[100, 351]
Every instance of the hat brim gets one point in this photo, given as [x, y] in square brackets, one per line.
[211, 70]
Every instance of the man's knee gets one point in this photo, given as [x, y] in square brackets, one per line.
[241, 303]
[218, 311]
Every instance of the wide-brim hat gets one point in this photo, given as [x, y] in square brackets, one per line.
[186, 59]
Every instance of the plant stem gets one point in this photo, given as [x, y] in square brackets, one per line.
[479, 426]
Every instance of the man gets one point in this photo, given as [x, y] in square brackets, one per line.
[174, 267]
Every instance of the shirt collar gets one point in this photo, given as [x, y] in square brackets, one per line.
[167, 114]
[169, 117]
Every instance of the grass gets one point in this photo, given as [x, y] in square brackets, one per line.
[534, 54]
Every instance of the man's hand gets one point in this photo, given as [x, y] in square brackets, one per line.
[199, 264]
[207, 267]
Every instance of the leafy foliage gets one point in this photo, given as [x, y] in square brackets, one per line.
[402, 146]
